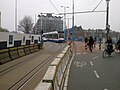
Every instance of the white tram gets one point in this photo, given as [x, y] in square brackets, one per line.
[55, 36]
[8, 39]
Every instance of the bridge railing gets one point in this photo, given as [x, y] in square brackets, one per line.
[55, 77]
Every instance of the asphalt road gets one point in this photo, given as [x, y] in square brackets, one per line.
[89, 71]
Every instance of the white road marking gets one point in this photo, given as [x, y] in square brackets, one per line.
[84, 53]
[95, 57]
[78, 53]
[105, 89]
[96, 74]
[79, 64]
[83, 63]
[91, 63]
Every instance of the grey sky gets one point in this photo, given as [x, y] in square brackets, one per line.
[34, 7]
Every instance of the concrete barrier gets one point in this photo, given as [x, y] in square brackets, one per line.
[44, 86]
[36, 47]
[4, 56]
[7, 55]
[26, 49]
[13, 53]
[21, 51]
[57, 71]
[57, 63]
[63, 66]
[50, 77]
[32, 49]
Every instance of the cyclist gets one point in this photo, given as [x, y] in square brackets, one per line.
[109, 44]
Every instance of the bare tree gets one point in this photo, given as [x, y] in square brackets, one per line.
[4, 30]
[26, 25]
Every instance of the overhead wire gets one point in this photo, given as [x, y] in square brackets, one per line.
[88, 11]
[54, 6]
[83, 12]
[86, 4]
[97, 5]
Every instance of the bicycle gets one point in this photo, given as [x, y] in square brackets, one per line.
[107, 51]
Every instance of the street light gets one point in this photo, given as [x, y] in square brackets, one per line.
[68, 32]
[107, 16]
[0, 20]
[40, 17]
[73, 22]
[16, 15]
[65, 33]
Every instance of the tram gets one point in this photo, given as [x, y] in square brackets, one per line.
[55, 36]
[8, 39]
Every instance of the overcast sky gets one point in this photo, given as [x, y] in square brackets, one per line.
[34, 7]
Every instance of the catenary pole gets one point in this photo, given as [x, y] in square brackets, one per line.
[73, 22]
[16, 15]
[107, 20]
[65, 32]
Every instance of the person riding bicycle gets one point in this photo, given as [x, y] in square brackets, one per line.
[109, 44]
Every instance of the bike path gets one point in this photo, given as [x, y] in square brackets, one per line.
[89, 71]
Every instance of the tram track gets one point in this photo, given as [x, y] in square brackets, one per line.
[8, 69]
[12, 67]
[26, 78]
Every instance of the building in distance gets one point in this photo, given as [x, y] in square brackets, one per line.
[48, 23]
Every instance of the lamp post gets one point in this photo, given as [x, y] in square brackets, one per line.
[68, 32]
[41, 24]
[40, 29]
[16, 15]
[107, 16]
[65, 32]
[73, 22]
[0, 20]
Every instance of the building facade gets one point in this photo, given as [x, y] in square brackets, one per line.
[48, 23]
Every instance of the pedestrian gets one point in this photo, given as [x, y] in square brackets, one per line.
[94, 42]
[100, 39]
[90, 43]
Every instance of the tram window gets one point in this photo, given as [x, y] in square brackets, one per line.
[61, 35]
[10, 39]
[29, 36]
[50, 36]
[32, 38]
[39, 39]
[56, 36]
[24, 39]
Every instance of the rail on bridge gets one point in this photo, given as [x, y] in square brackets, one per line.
[56, 77]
